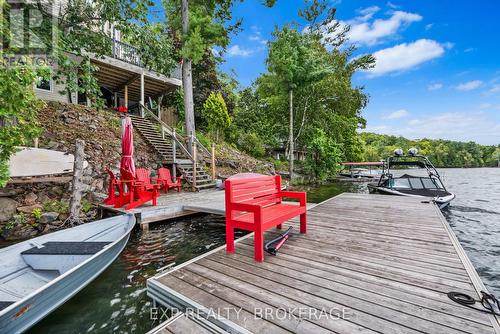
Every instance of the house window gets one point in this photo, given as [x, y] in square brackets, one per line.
[44, 83]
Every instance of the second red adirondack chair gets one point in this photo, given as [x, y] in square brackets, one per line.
[164, 179]
[141, 190]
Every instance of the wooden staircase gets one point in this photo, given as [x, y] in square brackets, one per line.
[162, 142]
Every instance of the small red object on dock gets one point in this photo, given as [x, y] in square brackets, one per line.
[255, 204]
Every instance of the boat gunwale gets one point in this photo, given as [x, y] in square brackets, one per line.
[131, 221]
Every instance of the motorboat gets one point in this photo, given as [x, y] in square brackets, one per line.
[428, 187]
[39, 275]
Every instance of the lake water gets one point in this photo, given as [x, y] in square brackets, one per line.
[116, 301]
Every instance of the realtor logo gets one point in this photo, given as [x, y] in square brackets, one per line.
[28, 27]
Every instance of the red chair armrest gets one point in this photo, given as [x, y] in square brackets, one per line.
[301, 196]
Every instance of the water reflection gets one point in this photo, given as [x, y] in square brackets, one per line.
[116, 301]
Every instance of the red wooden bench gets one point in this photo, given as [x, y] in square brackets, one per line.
[255, 204]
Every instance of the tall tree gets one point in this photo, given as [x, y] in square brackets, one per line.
[294, 60]
[203, 25]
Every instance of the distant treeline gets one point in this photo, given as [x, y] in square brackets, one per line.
[442, 153]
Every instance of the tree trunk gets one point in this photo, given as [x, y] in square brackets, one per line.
[290, 152]
[187, 77]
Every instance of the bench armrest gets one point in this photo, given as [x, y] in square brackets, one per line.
[301, 196]
[255, 208]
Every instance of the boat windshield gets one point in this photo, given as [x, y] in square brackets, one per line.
[399, 183]
[414, 183]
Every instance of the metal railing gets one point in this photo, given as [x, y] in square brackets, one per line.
[130, 54]
[126, 53]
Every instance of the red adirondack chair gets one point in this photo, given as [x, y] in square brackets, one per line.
[164, 179]
[140, 190]
[113, 186]
[143, 190]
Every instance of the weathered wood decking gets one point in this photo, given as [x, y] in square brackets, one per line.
[173, 205]
[385, 262]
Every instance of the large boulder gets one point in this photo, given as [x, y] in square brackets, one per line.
[28, 209]
[48, 217]
[30, 198]
[7, 208]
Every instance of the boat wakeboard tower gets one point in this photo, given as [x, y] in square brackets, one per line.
[428, 187]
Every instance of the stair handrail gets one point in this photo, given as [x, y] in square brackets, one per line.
[200, 145]
[170, 131]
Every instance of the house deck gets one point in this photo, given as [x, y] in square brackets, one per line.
[368, 264]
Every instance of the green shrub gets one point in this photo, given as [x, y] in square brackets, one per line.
[215, 113]
[251, 144]
[87, 205]
[56, 206]
[324, 157]
[37, 214]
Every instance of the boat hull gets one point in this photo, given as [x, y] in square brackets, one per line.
[441, 201]
[22, 315]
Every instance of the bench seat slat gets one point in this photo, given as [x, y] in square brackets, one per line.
[254, 204]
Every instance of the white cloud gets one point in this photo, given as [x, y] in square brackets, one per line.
[393, 6]
[493, 90]
[367, 13]
[470, 49]
[463, 126]
[257, 36]
[485, 106]
[405, 56]
[397, 114]
[428, 26]
[435, 86]
[236, 50]
[364, 31]
[471, 85]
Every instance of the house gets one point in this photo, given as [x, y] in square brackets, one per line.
[123, 79]
[280, 153]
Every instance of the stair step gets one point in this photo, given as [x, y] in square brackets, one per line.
[204, 186]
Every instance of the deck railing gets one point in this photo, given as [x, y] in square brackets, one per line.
[130, 54]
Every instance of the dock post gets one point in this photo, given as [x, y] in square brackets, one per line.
[195, 165]
[174, 155]
[213, 161]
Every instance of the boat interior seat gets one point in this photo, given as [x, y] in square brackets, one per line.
[66, 248]
[61, 255]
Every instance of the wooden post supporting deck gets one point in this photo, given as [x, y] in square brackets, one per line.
[126, 96]
[142, 95]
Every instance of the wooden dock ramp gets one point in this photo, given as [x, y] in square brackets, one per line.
[368, 264]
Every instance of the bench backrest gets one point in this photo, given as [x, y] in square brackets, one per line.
[262, 190]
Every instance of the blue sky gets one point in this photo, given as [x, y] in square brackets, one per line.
[437, 73]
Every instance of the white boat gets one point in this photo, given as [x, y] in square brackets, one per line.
[429, 188]
[40, 274]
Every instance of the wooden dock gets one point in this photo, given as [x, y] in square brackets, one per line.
[173, 205]
[368, 264]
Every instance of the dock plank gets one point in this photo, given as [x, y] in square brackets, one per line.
[389, 263]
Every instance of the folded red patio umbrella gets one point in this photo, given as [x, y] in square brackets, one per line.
[127, 167]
